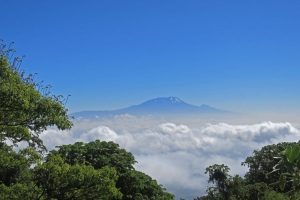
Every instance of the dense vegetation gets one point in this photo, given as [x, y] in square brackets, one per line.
[96, 170]
[274, 174]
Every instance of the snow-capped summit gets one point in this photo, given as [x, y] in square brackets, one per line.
[164, 100]
[175, 100]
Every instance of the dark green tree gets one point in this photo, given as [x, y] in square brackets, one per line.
[139, 186]
[98, 154]
[262, 166]
[26, 109]
[218, 174]
[21, 191]
[132, 184]
[289, 181]
[273, 174]
[62, 181]
[16, 173]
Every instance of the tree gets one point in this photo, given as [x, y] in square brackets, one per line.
[20, 191]
[26, 111]
[263, 162]
[139, 186]
[273, 174]
[218, 174]
[16, 173]
[98, 154]
[289, 180]
[61, 181]
[229, 187]
[15, 166]
[132, 184]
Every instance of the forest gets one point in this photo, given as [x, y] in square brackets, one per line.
[102, 170]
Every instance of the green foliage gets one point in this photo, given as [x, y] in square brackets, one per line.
[274, 174]
[24, 111]
[16, 173]
[132, 184]
[97, 154]
[292, 153]
[218, 174]
[291, 158]
[24, 175]
[139, 186]
[15, 166]
[60, 180]
[19, 191]
[272, 195]
[267, 166]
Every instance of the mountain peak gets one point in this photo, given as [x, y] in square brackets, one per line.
[168, 100]
[158, 106]
[174, 99]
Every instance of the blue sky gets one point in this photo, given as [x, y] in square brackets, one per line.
[235, 55]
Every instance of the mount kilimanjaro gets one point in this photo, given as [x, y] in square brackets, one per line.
[161, 106]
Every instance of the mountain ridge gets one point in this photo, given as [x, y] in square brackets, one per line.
[157, 106]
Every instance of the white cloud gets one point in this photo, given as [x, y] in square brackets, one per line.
[99, 133]
[177, 154]
[173, 128]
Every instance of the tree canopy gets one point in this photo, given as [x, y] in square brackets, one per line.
[62, 181]
[274, 174]
[98, 154]
[24, 110]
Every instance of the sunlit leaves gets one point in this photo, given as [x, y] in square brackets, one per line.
[60, 180]
[273, 175]
[25, 111]
[292, 153]
[99, 154]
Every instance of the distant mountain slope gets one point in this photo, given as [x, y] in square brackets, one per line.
[157, 106]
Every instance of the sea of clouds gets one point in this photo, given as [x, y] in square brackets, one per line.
[174, 153]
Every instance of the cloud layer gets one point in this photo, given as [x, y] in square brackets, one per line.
[177, 154]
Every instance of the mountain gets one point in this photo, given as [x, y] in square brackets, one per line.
[159, 107]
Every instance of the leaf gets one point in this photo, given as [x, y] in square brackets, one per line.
[292, 153]
[282, 182]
